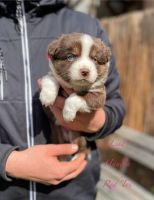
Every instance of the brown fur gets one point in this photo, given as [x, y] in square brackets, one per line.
[95, 97]
[95, 100]
[70, 43]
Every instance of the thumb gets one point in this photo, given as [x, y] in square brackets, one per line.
[64, 149]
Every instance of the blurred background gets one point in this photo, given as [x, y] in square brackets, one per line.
[129, 154]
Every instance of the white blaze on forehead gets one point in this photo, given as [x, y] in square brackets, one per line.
[84, 61]
[87, 43]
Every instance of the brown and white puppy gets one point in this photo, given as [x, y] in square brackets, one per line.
[80, 62]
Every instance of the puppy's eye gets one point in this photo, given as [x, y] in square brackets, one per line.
[95, 60]
[71, 57]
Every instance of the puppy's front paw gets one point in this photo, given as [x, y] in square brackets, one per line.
[68, 114]
[47, 97]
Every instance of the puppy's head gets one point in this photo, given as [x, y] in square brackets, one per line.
[79, 60]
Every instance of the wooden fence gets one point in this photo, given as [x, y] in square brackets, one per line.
[116, 184]
[132, 38]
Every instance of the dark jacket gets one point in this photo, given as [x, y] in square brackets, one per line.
[23, 123]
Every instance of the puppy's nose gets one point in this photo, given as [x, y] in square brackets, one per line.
[84, 72]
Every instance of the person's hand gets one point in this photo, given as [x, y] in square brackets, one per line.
[40, 163]
[85, 122]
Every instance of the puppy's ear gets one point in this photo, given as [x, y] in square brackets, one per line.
[103, 55]
[106, 54]
[52, 47]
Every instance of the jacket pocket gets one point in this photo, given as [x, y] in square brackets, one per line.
[3, 75]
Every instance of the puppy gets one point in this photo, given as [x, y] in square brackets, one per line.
[80, 62]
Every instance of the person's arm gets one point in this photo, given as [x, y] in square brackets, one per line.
[40, 163]
[5, 151]
[28, 164]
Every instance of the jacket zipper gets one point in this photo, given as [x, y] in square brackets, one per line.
[3, 75]
[20, 14]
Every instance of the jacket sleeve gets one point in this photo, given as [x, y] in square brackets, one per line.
[114, 107]
[5, 150]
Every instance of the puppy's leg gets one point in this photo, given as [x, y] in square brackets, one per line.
[49, 90]
[73, 104]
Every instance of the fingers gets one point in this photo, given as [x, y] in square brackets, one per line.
[72, 175]
[75, 173]
[72, 166]
[63, 149]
